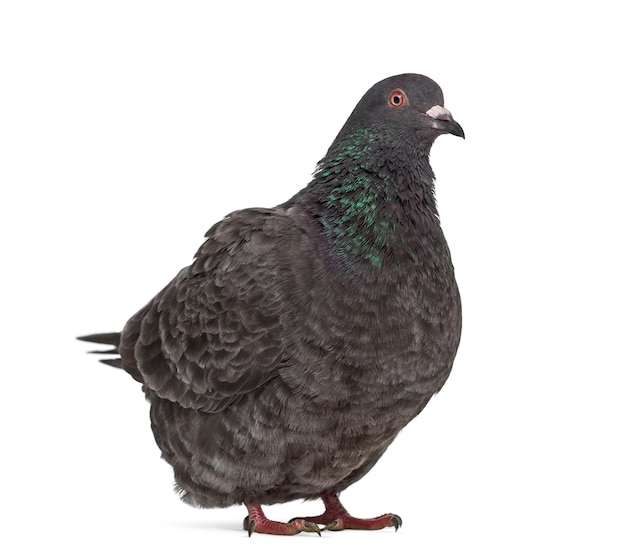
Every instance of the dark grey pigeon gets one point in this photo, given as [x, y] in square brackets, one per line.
[287, 357]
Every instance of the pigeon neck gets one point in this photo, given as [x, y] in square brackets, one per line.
[374, 201]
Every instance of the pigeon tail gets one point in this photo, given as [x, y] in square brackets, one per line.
[112, 339]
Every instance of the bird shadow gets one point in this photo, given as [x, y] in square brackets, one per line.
[229, 526]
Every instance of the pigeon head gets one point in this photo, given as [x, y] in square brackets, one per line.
[390, 133]
[375, 186]
[405, 105]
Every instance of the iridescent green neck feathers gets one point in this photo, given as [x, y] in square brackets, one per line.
[371, 197]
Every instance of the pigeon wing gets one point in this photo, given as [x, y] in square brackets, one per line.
[215, 332]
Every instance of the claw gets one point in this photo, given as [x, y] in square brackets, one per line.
[311, 528]
[396, 521]
[249, 525]
[333, 526]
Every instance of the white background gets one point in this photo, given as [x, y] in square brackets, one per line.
[127, 128]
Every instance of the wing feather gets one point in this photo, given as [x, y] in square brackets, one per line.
[215, 332]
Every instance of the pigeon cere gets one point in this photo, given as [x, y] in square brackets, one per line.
[287, 357]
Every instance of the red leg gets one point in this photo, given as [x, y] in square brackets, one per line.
[256, 522]
[336, 517]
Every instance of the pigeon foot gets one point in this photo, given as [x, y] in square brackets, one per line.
[369, 524]
[256, 522]
[337, 518]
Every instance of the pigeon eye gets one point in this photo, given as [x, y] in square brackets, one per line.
[397, 98]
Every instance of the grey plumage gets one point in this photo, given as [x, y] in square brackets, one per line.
[287, 357]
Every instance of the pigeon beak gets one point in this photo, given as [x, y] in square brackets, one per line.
[443, 121]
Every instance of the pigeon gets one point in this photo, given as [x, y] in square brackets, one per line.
[303, 338]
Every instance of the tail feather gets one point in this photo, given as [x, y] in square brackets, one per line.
[103, 338]
[114, 362]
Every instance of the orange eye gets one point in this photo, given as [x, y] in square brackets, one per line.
[397, 98]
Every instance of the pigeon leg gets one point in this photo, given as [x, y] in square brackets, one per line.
[256, 522]
[337, 518]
